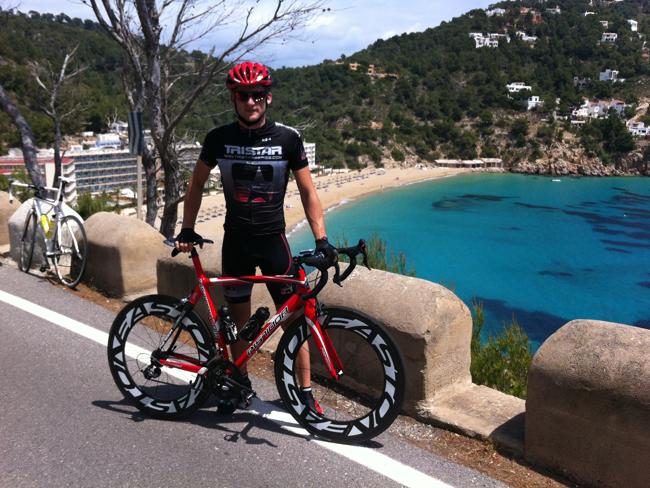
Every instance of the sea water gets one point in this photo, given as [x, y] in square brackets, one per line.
[542, 250]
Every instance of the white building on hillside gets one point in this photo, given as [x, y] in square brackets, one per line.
[517, 86]
[581, 83]
[608, 75]
[638, 129]
[609, 37]
[488, 40]
[598, 108]
[634, 25]
[108, 141]
[526, 38]
[499, 12]
[534, 102]
[310, 151]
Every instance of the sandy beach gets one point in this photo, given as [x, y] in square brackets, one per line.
[332, 190]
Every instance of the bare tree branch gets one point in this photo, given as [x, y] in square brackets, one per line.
[55, 107]
[153, 33]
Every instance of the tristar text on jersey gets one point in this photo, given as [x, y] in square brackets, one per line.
[254, 151]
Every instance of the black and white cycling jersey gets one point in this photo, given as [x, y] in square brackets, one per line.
[254, 166]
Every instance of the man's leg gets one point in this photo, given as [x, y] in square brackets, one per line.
[240, 313]
[302, 360]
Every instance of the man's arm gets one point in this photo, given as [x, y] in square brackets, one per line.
[310, 202]
[193, 198]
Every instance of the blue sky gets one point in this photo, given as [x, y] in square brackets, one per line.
[348, 27]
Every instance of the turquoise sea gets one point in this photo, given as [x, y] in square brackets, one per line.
[542, 249]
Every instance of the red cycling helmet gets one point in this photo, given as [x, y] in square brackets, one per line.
[247, 75]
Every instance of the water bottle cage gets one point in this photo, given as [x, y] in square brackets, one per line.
[254, 324]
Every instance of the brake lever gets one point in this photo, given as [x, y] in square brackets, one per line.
[364, 250]
[337, 274]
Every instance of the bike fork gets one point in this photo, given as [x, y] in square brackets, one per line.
[323, 342]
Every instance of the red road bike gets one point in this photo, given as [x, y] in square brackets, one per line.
[167, 361]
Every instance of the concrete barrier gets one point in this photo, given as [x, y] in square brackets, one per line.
[588, 406]
[431, 326]
[122, 254]
[6, 211]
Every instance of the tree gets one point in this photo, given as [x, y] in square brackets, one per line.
[53, 83]
[26, 138]
[159, 77]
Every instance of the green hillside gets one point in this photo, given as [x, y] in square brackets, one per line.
[443, 98]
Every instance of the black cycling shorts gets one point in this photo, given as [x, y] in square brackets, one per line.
[240, 256]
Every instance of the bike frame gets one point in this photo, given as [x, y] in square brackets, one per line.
[286, 313]
[54, 207]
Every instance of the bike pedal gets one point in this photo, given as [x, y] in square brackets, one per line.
[43, 268]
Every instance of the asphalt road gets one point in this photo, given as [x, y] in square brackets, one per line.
[64, 423]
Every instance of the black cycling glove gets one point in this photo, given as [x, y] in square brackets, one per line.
[326, 249]
[188, 236]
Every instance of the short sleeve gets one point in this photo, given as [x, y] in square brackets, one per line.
[209, 150]
[298, 156]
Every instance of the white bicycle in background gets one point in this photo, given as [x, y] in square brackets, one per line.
[63, 236]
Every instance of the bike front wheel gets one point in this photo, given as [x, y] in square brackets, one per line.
[365, 400]
[27, 240]
[147, 330]
[70, 250]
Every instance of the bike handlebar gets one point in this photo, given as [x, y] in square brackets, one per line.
[176, 252]
[38, 190]
[313, 258]
[323, 263]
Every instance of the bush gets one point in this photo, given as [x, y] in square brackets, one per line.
[380, 258]
[88, 204]
[502, 362]
[397, 155]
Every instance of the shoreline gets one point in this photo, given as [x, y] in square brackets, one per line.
[333, 191]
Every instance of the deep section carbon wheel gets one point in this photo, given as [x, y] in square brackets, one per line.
[365, 400]
[140, 336]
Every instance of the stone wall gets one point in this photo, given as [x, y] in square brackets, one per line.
[431, 326]
[122, 254]
[588, 406]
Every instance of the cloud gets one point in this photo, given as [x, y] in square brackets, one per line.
[347, 27]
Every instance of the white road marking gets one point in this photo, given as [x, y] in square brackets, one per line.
[367, 457]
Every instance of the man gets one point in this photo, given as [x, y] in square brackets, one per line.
[255, 156]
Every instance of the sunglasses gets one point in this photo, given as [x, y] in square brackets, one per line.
[244, 96]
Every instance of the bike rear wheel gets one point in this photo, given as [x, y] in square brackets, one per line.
[139, 330]
[365, 400]
[70, 250]
[27, 240]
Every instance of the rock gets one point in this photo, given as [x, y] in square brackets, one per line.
[431, 325]
[17, 226]
[563, 158]
[588, 405]
[122, 254]
[6, 211]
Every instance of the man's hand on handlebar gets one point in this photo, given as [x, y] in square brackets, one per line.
[321, 262]
[186, 238]
[326, 249]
